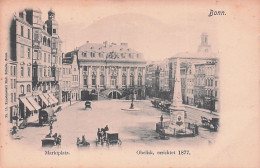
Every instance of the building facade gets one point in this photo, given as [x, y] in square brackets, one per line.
[32, 61]
[70, 76]
[110, 70]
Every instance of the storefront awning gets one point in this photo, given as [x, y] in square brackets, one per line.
[54, 98]
[27, 104]
[34, 103]
[47, 96]
[44, 100]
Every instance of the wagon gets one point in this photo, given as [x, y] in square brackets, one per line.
[156, 102]
[87, 104]
[112, 139]
[48, 142]
[211, 124]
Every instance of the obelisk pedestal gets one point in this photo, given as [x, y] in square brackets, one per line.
[177, 110]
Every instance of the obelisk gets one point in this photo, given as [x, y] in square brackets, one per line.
[177, 109]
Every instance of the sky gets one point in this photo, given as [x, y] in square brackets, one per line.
[158, 30]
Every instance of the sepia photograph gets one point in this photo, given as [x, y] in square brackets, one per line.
[129, 84]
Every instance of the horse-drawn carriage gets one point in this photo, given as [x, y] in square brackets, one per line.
[156, 102]
[211, 124]
[165, 105]
[87, 104]
[104, 137]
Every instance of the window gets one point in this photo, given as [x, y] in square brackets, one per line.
[44, 58]
[216, 93]
[29, 71]
[49, 72]
[102, 80]
[100, 55]
[85, 68]
[85, 80]
[124, 69]
[54, 31]
[29, 34]
[94, 80]
[102, 69]
[14, 97]
[11, 83]
[44, 73]
[29, 53]
[84, 54]
[22, 51]
[44, 40]
[122, 55]
[131, 80]
[34, 72]
[123, 80]
[216, 83]
[22, 89]
[22, 31]
[48, 42]
[22, 71]
[28, 88]
[140, 80]
[92, 55]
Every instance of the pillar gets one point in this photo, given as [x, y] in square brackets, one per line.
[98, 76]
[136, 77]
[119, 77]
[107, 78]
[128, 77]
[89, 77]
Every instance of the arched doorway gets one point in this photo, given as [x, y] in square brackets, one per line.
[85, 95]
[114, 94]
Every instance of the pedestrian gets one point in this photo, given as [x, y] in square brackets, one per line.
[99, 134]
[161, 120]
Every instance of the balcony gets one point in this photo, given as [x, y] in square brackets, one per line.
[36, 44]
[43, 79]
[54, 50]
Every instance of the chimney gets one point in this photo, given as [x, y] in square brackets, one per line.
[22, 15]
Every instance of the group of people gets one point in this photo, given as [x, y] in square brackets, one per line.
[101, 133]
[83, 141]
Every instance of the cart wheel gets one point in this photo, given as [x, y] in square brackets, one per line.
[119, 142]
[107, 144]
[102, 142]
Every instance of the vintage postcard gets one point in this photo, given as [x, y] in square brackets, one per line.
[129, 84]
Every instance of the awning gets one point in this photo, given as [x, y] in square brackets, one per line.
[44, 100]
[27, 104]
[47, 96]
[34, 103]
[53, 98]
